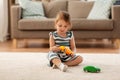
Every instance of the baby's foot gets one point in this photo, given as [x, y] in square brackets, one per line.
[54, 66]
[63, 67]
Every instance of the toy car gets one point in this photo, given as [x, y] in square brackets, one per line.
[91, 69]
[66, 50]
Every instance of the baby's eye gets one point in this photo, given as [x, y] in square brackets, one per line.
[65, 26]
[60, 25]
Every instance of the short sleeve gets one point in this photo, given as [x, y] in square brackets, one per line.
[72, 34]
[51, 33]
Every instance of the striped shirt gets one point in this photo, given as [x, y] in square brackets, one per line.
[62, 41]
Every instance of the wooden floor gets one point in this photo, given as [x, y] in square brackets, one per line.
[40, 45]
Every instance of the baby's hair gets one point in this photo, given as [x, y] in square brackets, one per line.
[63, 15]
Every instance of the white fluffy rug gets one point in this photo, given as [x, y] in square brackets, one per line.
[33, 66]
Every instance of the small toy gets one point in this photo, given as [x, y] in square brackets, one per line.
[91, 69]
[66, 50]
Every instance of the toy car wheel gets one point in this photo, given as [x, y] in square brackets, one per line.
[98, 71]
[85, 70]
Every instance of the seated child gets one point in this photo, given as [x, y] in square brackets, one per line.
[62, 37]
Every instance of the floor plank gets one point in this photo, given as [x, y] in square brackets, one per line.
[41, 45]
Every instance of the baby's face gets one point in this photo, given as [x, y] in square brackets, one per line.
[62, 26]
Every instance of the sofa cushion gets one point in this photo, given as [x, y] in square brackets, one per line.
[36, 24]
[53, 7]
[84, 24]
[101, 9]
[78, 24]
[117, 2]
[32, 9]
[79, 9]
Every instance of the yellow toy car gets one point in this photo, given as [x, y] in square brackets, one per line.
[66, 50]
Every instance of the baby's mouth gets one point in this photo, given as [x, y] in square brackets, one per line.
[61, 31]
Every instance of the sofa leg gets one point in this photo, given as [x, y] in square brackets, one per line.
[25, 43]
[14, 43]
[116, 43]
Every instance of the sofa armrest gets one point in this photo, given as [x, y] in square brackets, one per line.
[16, 13]
[116, 12]
[15, 17]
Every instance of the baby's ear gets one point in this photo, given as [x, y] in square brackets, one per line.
[70, 27]
[55, 26]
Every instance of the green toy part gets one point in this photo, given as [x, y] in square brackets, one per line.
[91, 69]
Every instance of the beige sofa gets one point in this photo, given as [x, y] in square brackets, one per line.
[82, 27]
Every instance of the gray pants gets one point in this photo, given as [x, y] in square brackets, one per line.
[52, 55]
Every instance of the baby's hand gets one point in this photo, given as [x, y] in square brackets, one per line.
[72, 55]
[55, 48]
